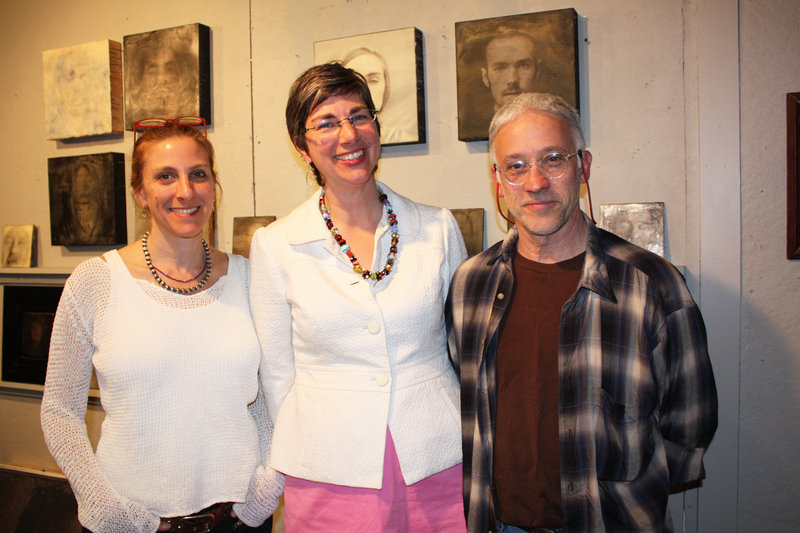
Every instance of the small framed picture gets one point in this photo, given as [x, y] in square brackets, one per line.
[391, 62]
[243, 230]
[639, 223]
[499, 58]
[28, 314]
[168, 74]
[87, 200]
[83, 90]
[19, 244]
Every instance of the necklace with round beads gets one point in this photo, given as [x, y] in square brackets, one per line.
[189, 290]
[357, 268]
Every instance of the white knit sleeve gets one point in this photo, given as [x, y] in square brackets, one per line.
[69, 371]
[266, 485]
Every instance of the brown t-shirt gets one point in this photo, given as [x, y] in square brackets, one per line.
[527, 473]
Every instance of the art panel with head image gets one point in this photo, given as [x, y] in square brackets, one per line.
[87, 200]
[83, 90]
[391, 62]
[639, 223]
[499, 58]
[168, 74]
[19, 243]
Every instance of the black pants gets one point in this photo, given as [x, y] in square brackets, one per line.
[232, 525]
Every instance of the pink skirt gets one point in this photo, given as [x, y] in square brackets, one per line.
[433, 504]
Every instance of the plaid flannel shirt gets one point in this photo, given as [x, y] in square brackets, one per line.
[637, 399]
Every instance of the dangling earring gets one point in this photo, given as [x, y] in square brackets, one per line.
[309, 170]
[145, 211]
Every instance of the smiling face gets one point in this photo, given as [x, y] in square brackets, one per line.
[178, 187]
[347, 156]
[510, 67]
[547, 212]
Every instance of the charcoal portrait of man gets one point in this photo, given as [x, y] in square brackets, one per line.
[499, 58]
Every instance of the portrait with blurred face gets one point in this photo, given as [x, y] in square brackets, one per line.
[163, 73]
[390, 62]
[18, 243]
[83, 90]
[87, 200]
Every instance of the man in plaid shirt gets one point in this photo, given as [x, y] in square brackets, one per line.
[586, 385]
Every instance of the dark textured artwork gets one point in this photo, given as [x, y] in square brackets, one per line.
[87, 200]
[28, 314]
[168, 74]
[499, 58]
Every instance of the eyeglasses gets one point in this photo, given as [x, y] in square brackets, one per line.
[147, 123]
[552, 166]
[328, 127]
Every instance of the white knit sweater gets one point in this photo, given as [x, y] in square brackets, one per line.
[186, 424]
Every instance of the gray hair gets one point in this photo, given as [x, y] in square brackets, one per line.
[537, 103]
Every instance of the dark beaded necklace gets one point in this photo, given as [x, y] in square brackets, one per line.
[154, 271]
[357, 268]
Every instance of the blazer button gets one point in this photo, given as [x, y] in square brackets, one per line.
[373, 327]
[381, 380]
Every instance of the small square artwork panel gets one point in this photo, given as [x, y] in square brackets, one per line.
[243, 230]
[391, 62]
[87, 200]
[639, 223]
[168, 74]
[499, 58]
[83, 90]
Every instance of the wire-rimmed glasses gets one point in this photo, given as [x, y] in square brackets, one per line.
[552, 166]
[328, 127]
[147, 123]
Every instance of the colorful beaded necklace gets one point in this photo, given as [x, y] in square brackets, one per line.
[357, 268]
[154, 271]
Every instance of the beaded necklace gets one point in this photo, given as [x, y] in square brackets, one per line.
[357, 268]
[154, 271]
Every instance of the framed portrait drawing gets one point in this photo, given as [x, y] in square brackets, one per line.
[83, 90]
[243, 230]
[168, 74]
[793, 176]
[28, 313]
[19, 244]
[391, 62]
[87, 200]
[470, 222]
[498, 58]
[639, 223]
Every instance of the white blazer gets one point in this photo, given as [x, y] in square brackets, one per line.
[343, 358]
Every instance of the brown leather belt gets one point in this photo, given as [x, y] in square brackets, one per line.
[202, 522]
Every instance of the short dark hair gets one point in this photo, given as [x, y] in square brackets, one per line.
[313, 87]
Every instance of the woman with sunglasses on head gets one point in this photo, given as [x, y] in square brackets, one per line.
[165, 324]
[347, 295]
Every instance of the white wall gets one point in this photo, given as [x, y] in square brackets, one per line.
[649, 75]
[769, 468]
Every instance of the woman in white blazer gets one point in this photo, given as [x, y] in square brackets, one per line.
[347, 294]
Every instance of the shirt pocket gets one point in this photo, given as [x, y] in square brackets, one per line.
[624, 441]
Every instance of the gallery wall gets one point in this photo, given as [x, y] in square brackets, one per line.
[643, 68]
